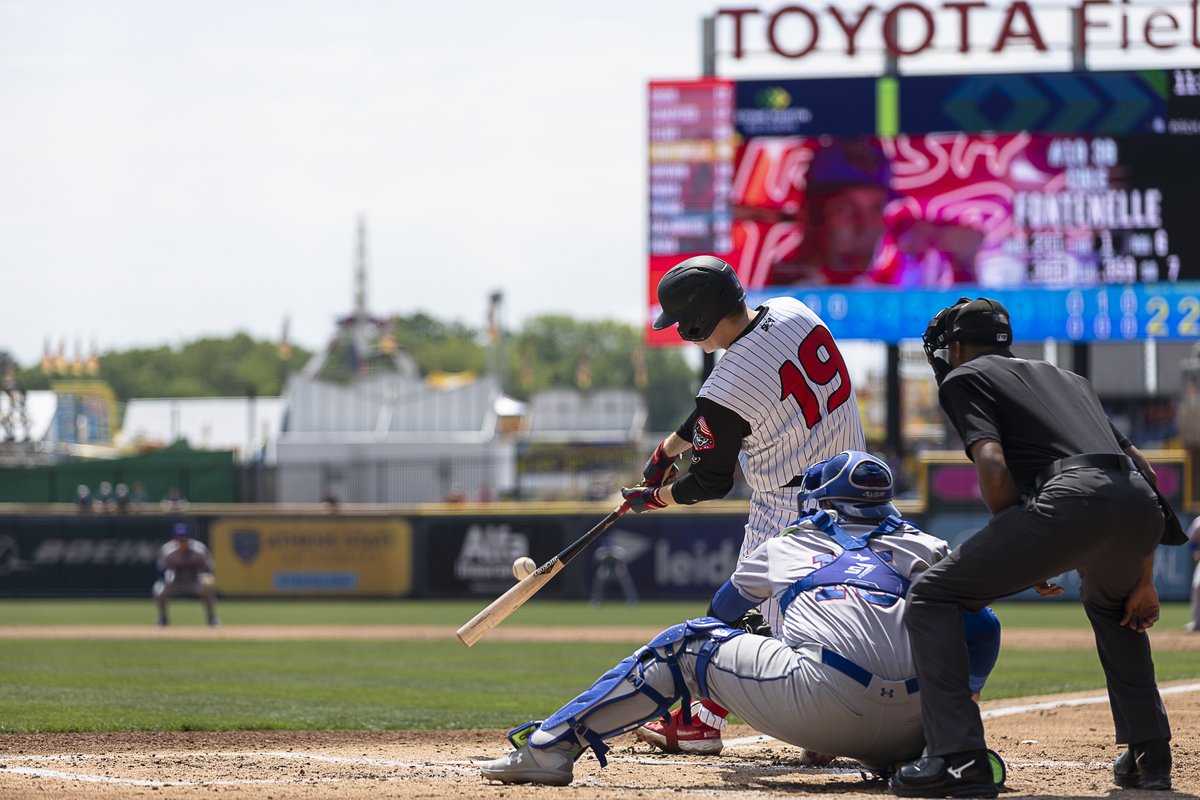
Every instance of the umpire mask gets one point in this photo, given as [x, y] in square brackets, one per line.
[936, 338]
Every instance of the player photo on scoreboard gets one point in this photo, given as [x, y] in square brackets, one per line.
[941, 209]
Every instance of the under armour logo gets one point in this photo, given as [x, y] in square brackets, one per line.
[885, 692]
[957, 772]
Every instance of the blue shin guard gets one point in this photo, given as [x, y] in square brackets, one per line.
[635, 691]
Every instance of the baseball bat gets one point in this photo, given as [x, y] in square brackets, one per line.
[531, 584]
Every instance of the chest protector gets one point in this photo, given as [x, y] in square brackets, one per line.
[856, 566]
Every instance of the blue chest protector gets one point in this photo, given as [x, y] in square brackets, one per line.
[856, 566]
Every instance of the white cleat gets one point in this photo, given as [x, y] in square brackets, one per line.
[811, 758]
[551, 767]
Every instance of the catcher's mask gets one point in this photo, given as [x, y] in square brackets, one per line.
[937, 338]
[854, 483]
[696, 295]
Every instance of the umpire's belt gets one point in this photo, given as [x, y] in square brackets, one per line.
[880, 688]
[1109, 462]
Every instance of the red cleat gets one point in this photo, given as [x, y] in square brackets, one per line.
[702, 737]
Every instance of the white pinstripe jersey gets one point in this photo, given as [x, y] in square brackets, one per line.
[786, 379]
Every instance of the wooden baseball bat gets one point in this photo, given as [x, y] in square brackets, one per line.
[531, 584]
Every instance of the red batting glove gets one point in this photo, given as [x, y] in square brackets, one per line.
[642, 499]
[660, 469]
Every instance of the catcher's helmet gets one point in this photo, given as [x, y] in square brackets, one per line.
[696, 295]
[855, 483]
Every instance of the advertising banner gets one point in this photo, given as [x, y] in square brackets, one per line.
[312, 556]
[473, 556]
[84, 555]
[669, 556]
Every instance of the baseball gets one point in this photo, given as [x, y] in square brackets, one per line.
[523, 567]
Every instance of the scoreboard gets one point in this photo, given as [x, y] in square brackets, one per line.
[1072, 197]
[691, 167]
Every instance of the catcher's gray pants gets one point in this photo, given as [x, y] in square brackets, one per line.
[793, 696]
[785, 693]
[1104, 524]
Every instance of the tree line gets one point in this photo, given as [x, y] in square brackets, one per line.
[544, 352]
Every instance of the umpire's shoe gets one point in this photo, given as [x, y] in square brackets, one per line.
[967, 774]
[1144, 766]
[552, 766]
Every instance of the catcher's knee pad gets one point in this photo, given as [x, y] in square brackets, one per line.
[700, 636]
[632, 677]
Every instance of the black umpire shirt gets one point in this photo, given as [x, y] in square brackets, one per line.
[1036, 411]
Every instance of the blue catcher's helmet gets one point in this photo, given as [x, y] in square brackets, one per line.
[854, 483]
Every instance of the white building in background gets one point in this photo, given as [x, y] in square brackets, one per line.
[393, 438]
[249, 426]
[363, 426]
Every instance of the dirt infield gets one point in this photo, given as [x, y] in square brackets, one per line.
[1054, 747]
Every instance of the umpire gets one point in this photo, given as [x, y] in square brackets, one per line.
[1066, 491]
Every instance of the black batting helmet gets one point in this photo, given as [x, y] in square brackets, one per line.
[696, 295]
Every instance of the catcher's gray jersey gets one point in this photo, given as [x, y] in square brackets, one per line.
[865, 627]
[787, 379]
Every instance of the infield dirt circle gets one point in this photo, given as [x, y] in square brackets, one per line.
[1062, 747]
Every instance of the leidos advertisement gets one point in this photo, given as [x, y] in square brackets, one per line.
[340, 556]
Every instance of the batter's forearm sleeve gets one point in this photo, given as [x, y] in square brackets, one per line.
[982, 631]
[714, 455]
[728, 604]
[684, 431]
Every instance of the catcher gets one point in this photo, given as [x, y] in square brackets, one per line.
[839, 679]
[185, 564]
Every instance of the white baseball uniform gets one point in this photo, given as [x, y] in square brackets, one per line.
[781, 399]
[840, 677]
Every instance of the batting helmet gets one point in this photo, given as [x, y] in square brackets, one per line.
[855, 483]
[696, 295]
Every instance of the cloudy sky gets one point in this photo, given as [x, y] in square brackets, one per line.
[173, 169]
[176, 169]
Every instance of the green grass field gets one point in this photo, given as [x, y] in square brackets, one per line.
[101, 685]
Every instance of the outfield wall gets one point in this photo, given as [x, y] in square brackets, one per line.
[464, 550]
[435, 552]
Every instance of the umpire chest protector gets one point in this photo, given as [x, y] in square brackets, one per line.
[857, 565]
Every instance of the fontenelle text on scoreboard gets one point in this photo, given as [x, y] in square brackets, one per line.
[1070, 196]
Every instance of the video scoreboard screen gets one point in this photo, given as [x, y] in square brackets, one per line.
[1071, 197]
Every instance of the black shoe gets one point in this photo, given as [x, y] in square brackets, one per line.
[1144, 766]
[967, 774]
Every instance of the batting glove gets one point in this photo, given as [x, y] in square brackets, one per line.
[660, 469]
[643, 499]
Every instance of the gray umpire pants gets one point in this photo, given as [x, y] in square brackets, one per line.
[1103, 524]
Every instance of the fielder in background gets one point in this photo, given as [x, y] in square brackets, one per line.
[1193, 532]
[1067, 491]
[839, 679]
[185, 564]
[778, 401]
